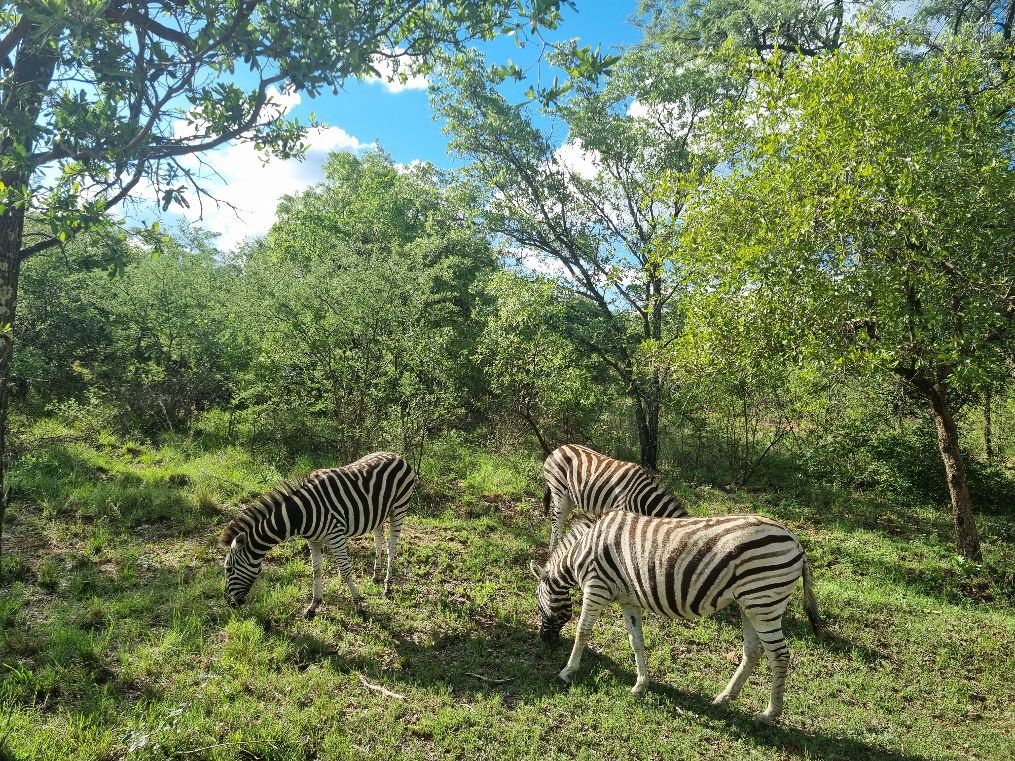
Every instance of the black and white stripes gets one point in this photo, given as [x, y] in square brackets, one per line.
[680, 568]
[327, 507]
[580, 478]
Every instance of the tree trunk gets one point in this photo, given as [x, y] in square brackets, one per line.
[527, 417]
[988, 445]
[12, 223]
[21, 97]
[967, 539]
[647, 412]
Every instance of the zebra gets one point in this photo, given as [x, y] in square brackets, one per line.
[577, 476]
[680, 568]
[327, 507]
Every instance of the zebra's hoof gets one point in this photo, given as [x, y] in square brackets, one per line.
[310, 612]
[721, 700]
[767, 718]
[360, 612]
[639, 690]
[563, 683]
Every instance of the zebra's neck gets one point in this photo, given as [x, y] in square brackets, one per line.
[560, 569]
[277, 522]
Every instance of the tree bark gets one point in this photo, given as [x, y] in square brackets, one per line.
[20, 102]
[967, 539]
[988, 445]
[647, 413]
[12, 223]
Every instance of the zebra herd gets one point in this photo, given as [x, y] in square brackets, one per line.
[633, 545]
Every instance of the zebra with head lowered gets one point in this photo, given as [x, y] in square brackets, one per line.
[579, 477]
[327, 507]
[686, 568]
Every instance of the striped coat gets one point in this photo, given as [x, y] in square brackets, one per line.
[581, 478]
[684, 568]
[327, 507]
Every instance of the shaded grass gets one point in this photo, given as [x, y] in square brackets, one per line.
[116, 641]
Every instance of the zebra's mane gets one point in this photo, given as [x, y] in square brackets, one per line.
[580, 526]
[652, 473]
[259, 508]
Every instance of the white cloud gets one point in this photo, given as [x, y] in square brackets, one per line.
[390, 76]
[254, 188]
[248, 187]
[574, 157]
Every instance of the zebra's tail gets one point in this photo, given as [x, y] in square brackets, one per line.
[811, 602]
[546, 501]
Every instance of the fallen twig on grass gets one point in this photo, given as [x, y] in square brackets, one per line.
[489, 679]
[377, 688]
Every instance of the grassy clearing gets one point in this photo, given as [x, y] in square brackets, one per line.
[117, 643]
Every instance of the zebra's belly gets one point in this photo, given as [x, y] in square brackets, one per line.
[664, 600]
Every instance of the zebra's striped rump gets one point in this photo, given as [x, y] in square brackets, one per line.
[579, 478]
[682, 568]
[327, 507]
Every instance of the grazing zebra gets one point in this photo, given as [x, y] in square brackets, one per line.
[684, 568]
[327, 507]
[577, 476]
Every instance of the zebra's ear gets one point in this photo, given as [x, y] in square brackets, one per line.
[537, 571]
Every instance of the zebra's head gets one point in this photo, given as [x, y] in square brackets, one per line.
[553, 599]
[242, 567]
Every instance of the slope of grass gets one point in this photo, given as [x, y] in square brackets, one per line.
[116, 642]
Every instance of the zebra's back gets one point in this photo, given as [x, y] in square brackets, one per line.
[354, 499]
[689, 567]
[598, 484]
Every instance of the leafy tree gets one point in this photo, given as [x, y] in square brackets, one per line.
[535, 370]
[866, 221]
[363, 296]
[581, 210]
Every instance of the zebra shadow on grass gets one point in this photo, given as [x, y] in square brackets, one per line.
[793, 741]
[508, 660]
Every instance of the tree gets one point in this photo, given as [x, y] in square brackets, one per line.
[866, 221]
[533, 368]
[362, 297]
[581, 207]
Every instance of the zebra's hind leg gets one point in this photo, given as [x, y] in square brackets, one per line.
[632, 618]
[341, 553]
[589, 616]
[771, 636]
[315, 562]
[748, 662]
[378, 545]
[394, 529]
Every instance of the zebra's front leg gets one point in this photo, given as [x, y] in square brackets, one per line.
[378, 545]
[632, 618]
[559, 513]
[748, 662]
[341, 553]
[587, 619]
[394, 530]
[316, 551]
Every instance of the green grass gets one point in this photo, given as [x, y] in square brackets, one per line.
[116, 642]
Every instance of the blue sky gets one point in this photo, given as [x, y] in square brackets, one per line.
[366, 113]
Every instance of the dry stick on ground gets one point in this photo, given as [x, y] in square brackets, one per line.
[488, 679]
[378, 688]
